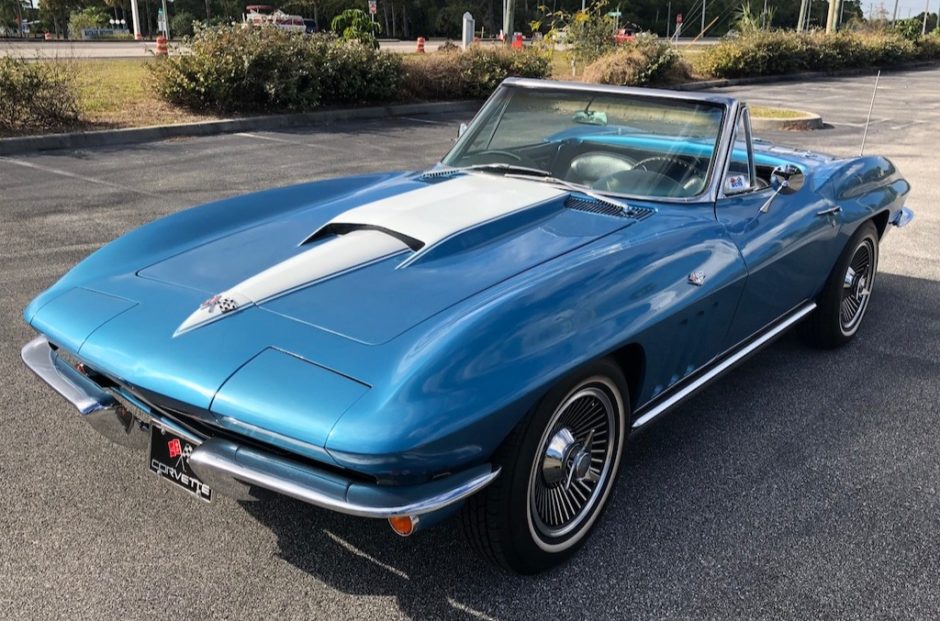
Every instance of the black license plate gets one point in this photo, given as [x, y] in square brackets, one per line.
[169, 459]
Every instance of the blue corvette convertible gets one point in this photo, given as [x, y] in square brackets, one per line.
[481, 336]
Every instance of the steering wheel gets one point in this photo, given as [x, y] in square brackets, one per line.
[638, 181]
[668, 160]
[692, 180]
[509, 154]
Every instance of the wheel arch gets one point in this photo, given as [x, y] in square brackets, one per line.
[880, 221]
[631, 358]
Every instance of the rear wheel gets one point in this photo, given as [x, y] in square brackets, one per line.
[558, 468]
[845, 297]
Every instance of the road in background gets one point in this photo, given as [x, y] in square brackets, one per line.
[140, 49]
[805, 484]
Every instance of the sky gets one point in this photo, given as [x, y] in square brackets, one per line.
[905, 7]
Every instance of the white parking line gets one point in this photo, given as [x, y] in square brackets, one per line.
[365, 555]
[428, 121]
[71, 175]
[286, 141]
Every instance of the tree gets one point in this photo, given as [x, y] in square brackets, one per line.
[353, 24]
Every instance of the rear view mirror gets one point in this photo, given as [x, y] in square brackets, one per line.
[787, 179]
[462, 129]
[590, 117]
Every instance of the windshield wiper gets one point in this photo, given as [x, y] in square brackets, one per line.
[509, 169]
[577, 187]
[544, 176]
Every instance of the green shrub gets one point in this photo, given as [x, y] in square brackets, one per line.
[234, 69]
[780, 52]
[473, 73]
[355, 25]
[588, 34]
[90, 17]
[647, 60]
[35, 96]
[181, 24]
[928, 48]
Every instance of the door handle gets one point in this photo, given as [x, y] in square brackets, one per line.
[829, 212]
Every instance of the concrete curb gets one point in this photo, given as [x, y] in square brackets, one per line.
[806, 121]
[110, 137]
[805, 75]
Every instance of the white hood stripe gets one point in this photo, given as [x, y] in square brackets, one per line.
[378, 230]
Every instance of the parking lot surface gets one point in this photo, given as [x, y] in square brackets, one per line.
[805, 484]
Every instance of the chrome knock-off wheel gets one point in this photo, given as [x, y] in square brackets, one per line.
[569, 474]
[856, 287]
[559, 465]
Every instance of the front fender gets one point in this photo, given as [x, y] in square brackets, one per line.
[468, 376]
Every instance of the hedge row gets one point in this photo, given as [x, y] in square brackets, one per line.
[233, 69]
[35, 97]
[646, 61]
[780, 52]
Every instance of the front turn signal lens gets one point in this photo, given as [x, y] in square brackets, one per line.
[404, 525]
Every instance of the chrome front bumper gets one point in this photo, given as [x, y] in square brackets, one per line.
[232, 469]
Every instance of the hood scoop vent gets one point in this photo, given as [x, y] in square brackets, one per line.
[334, 229]
[592, 205]
[439, 174]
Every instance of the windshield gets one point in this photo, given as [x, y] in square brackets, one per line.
[619, 144]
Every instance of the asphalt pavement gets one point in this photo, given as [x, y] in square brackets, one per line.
[805, 484]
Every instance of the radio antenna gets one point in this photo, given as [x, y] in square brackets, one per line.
[870, 108]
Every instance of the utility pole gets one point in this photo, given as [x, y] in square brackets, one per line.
[669, 18]
[801, 22]
[508, 6]
[135, 19]
[166, 21]
[763, 17]
[831, 19]
[923, 29]
[704, 2]
[894, 18]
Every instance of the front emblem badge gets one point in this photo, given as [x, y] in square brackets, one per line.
[697, 278]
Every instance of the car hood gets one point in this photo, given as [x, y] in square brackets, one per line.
[246, 325]
[376, 269]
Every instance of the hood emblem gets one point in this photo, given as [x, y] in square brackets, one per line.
[220, 303]
[697, 278]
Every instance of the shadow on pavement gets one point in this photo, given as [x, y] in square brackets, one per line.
[761, 495]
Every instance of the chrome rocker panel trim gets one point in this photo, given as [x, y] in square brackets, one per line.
[707, 374]
[230, 468]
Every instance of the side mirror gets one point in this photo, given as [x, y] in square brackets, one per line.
[462, 129]
[787, 179]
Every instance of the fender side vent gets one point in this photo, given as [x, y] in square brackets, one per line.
[592, 205]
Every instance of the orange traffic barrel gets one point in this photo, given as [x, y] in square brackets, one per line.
[162, 48]
[421, 45]
[517, 40]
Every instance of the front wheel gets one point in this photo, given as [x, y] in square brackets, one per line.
[558, 468]
[845, 297]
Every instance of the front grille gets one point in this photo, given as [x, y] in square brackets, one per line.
[195, 419]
